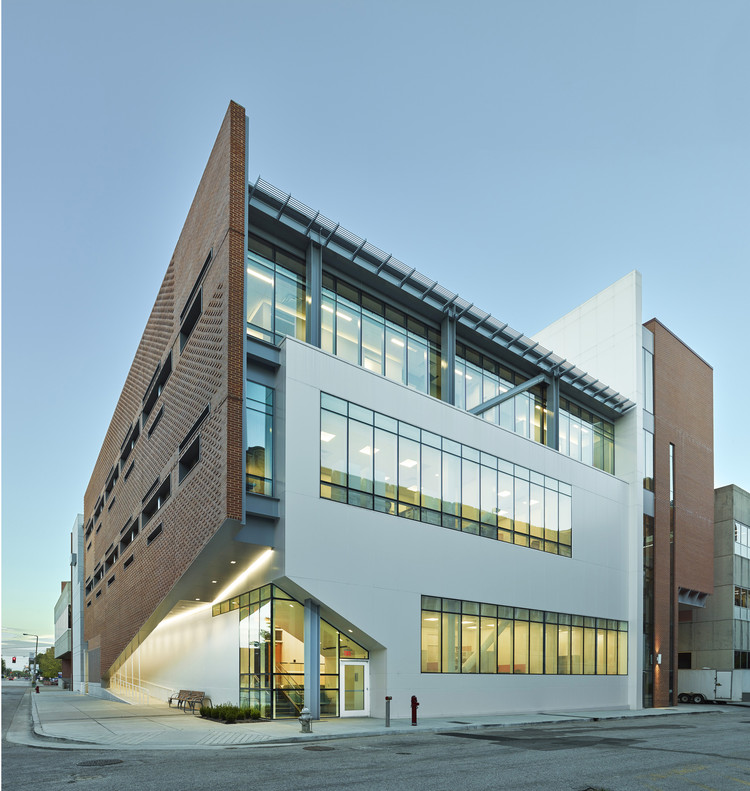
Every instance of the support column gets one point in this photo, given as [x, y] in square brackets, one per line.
[553, 412]
[312, 658]
[314, 290]
[448, 358]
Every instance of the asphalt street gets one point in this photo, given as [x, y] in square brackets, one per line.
[706, 751]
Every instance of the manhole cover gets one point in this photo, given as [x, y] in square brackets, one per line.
[317, 748]
[101, 762]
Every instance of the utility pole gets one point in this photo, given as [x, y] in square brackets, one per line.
[36, 654]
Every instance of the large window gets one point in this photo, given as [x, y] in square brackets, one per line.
[259, 438]
[582, 435]
[375, 461]
[272, 653]
[472, 637]
[380, 338]
[274, 292]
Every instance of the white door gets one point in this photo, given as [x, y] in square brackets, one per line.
[723, 685]
[354, 688]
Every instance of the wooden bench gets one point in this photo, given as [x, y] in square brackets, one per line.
[188, 699]
[194, 699]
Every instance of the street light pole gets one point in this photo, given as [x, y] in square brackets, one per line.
[36, 653]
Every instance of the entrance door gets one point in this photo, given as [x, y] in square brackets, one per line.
[354, 684]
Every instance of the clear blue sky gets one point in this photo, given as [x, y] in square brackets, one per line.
[524, 154]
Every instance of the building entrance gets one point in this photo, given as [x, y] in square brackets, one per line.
[355, 688]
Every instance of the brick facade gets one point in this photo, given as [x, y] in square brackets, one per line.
[206, 372]
[683, 417]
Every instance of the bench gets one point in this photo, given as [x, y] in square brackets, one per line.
[187, 699]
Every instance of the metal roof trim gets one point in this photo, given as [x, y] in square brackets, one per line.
[310, 223]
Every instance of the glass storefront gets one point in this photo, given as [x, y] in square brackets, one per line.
[272, 654]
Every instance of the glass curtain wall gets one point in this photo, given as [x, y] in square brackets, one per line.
[272, 653]
[374, 461]
[258, 438]
[365, 331]
[582, 435]
[472, 637]
[275, 297]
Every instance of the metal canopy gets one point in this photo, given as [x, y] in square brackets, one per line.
[300, 218]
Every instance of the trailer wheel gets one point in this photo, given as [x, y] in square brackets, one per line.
[698, 698]
[683, 697]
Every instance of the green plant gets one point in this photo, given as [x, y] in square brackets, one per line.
[229, 713]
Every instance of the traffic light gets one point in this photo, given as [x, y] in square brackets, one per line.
[14, 660]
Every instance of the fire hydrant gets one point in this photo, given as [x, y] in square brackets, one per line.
[37, 689]
[305, 720]
[414, 704]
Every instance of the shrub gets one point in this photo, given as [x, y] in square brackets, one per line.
[229, 713]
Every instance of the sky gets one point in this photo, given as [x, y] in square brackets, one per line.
[524, 154]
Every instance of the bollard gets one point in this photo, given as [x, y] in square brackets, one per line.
[305, 720]
[414, 704]
[388, 699]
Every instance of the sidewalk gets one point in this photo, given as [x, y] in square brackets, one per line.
[72, 721]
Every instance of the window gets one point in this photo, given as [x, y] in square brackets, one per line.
[191, 319]
[156, 502]
[154, 534]
[190, 458]
[130, 531]
[376, 462]
[158, 417]
[129, 444]
[156, 386]
[472, 637]
[128, 562]
[111, 480]
[648, 381]
[111, 559]
[365, 331]
[648, 461]
[275, 299]
[258, 438]
[129, 470]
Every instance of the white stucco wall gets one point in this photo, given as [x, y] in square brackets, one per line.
[372, 568]
[604, 336]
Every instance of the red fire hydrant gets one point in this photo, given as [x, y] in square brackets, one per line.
[37, 689]
[414, 704]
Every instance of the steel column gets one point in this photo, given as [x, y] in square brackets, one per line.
[312, 658]
[313, 289]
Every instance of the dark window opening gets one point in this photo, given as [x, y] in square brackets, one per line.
[130, 443]
[684, 660]
[190, 458]
[156, 422]
[130, 469]
[129, 537]
[156, 502]
[156, 386]
[191, 319]
[203, 415]
[154, 534]
[110, 580]
[111, 559]
[128, 562]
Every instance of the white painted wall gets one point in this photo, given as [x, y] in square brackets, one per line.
[194, 651]
[372, 568]
[604, 336]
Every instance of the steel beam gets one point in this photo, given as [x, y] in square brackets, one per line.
[514, 391]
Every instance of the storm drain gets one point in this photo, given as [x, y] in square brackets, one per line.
[101, 762]
[318, 748]
[458, 722]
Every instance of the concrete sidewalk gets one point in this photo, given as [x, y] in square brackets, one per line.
[72, 721]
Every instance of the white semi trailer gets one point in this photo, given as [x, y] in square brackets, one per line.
[701, 686]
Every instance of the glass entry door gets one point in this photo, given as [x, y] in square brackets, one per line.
[355, 688]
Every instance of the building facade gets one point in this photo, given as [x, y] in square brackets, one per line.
[329, 479]
[718, 636]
